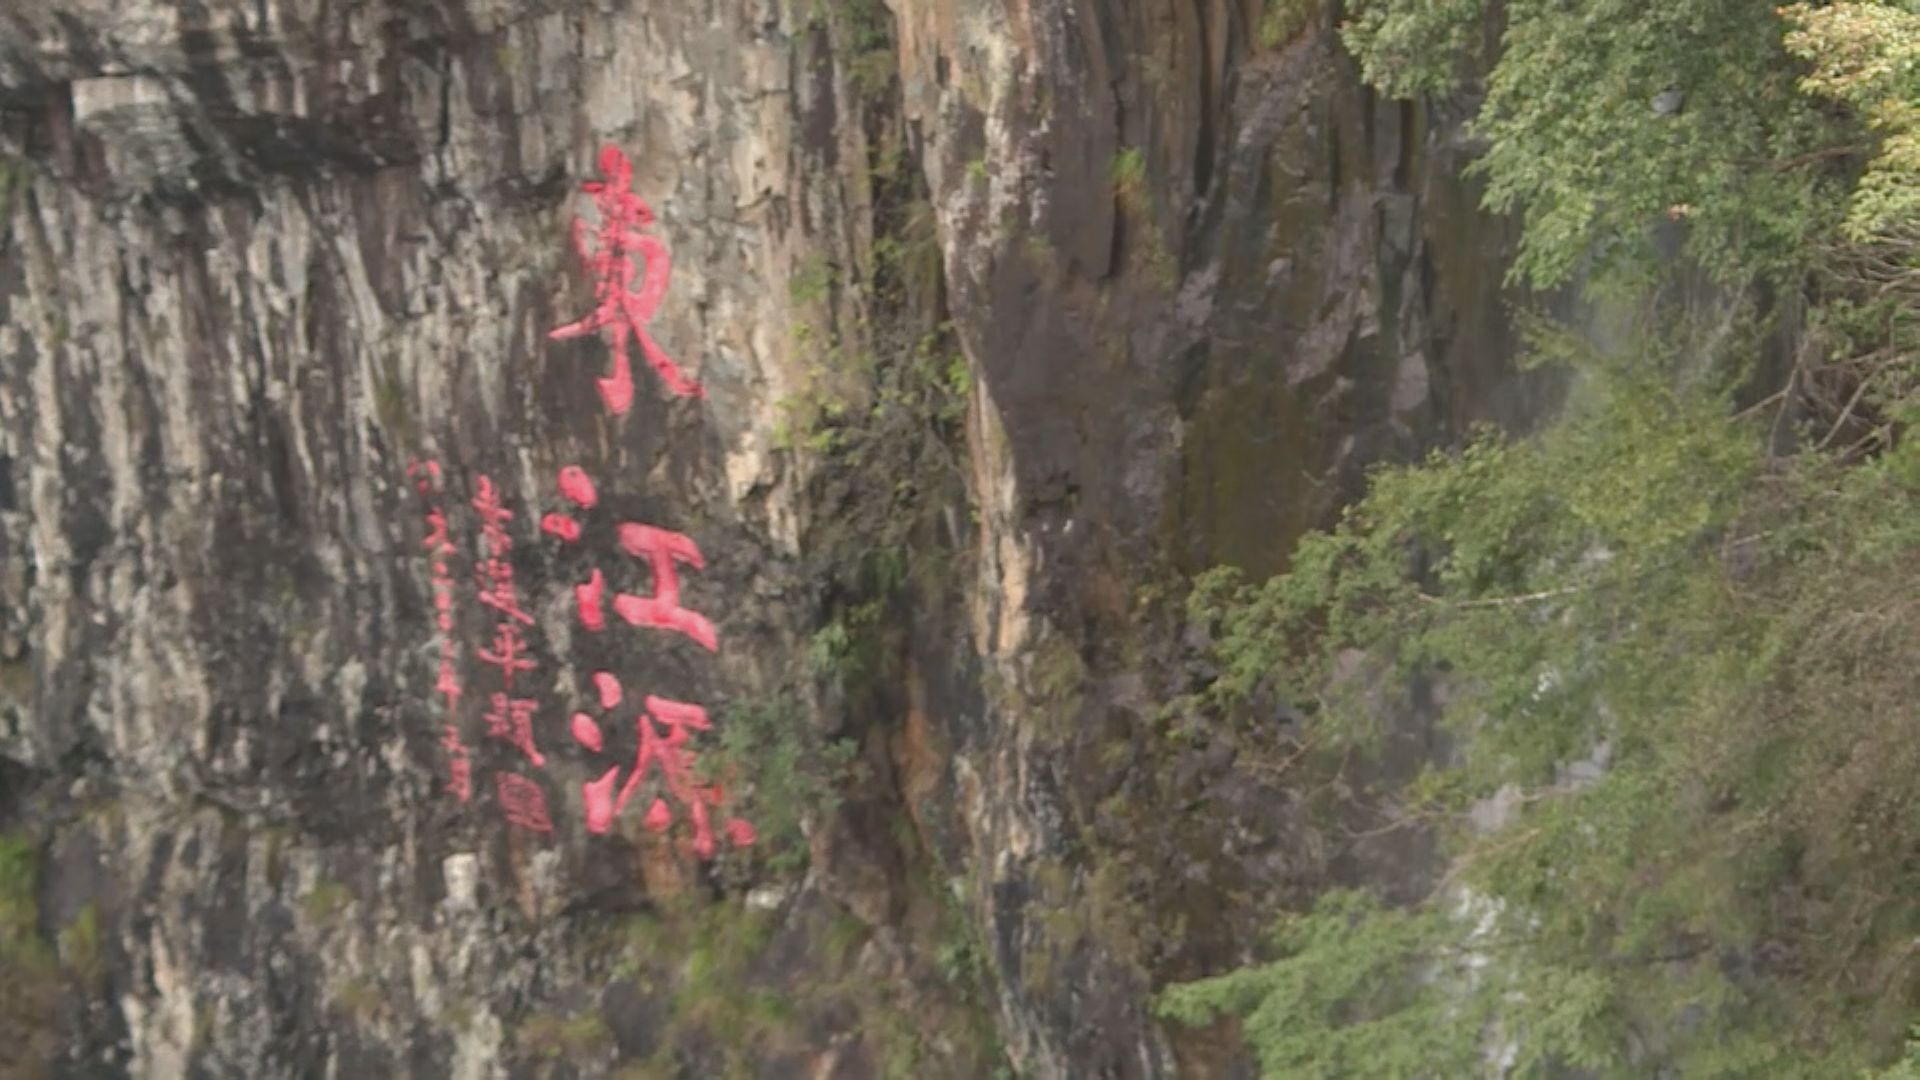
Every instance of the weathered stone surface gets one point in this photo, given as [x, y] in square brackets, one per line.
[258, 256]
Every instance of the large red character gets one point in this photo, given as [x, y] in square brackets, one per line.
[675, 760]
[614, 257]
[511, 718]
[522, 803]
[459, 765]
[663, 550]
[662, 610]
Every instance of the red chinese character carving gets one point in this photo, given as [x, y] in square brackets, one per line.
[675, 761]
[662, 610]
[460, 769]
[449, 682]
[493, 517]
[577, 486]
[509, 653]
[661, 548]
[676, 770]
[608, 687]
[619, 252]
[588, 598]
[500, 594]
[669, 752]
[740, 833]
[562, 526]
[436, 540]
[523, 803]
[511, 718]
[587, 733]
[427, 476]
[429, 470]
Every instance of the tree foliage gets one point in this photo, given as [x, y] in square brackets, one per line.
[1684, 659]
[1602, 118]
[1672, 637]
[1346, 1003]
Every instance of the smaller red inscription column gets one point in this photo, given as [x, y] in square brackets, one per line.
[426, 477]
[509, 718]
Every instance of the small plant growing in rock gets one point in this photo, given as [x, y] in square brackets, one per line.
[325, 900]
[1129, 174]
[360, 996]
[81, 950]
[1284, 19]
[560, 1037]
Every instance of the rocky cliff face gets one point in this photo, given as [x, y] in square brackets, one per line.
[1010, 316]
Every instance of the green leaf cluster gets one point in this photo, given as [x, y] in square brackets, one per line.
[1603, 118]
[1866, 55]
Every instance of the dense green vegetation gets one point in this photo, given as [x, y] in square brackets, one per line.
[1674, 638]
[1602, 116]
